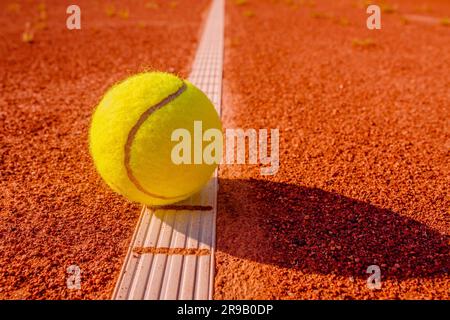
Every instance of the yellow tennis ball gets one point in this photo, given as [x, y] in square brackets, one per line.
[130, 137]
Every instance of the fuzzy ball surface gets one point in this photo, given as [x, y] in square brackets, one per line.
[130, 137]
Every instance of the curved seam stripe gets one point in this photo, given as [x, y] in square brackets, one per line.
[132, 134]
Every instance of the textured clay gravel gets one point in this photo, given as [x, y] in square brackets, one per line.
[364, 152]
[55, 211]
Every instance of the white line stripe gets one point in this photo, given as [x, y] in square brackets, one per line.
[164, 276]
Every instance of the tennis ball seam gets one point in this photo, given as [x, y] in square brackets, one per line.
[144, 116]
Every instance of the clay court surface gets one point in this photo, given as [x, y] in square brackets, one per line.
[364, 145]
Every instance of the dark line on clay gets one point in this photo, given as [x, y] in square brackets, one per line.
[182, 207]
[172, 251]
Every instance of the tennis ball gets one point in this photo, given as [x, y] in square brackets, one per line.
[130, 137]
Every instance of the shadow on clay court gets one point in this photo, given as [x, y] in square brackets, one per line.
[321, 232]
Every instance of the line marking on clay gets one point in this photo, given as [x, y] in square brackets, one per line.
[180, 207]
[172, 251]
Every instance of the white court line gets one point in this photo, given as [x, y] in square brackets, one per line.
[181, 276]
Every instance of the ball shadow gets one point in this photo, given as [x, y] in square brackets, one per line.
[321, 232]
